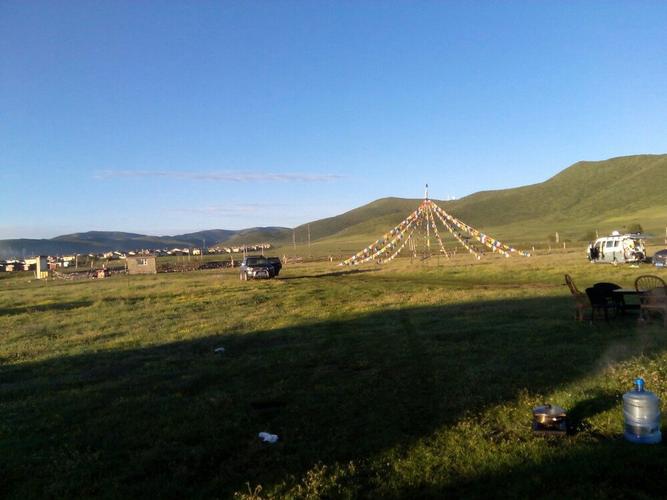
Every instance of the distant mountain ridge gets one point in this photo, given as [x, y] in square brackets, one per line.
[104, 241]
[587, 196]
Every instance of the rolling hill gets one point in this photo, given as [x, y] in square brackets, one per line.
[103, 241]
[586, 196]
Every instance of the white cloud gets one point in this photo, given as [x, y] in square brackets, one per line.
[232, 209]
[219, 176]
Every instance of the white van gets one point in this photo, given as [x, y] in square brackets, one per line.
[617, 249]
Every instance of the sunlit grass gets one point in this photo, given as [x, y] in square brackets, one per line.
[415, 379]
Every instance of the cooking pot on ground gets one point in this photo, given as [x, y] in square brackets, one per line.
[549, 414]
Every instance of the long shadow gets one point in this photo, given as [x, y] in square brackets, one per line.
[329, 274]
[182, 420]
[55, 306]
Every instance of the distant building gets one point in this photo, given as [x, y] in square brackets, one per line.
[145, 264]
[30, 264]
[42, 267]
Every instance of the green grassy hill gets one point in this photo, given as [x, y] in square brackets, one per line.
[587, 196]
[603, 195]
[363, 220]
[259, 235]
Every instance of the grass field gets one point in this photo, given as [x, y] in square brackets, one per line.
[410, 380]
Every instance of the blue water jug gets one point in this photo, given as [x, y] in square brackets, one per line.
[641, 410]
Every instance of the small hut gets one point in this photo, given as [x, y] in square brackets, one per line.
[42, 267]
[141, 264]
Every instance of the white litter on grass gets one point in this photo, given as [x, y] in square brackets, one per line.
[219, 349]
[268, 438]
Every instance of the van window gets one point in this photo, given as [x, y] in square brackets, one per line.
[610, 244]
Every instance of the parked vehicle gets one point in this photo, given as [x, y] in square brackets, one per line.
[660, 258]
[256, 267]
[277, 265]
[617, 249]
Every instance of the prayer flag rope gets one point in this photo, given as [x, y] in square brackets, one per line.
[400, 248]
[424, 215]
[382, 245]
[456, 235]
[435, 231]
[485, 239]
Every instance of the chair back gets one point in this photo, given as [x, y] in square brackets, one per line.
[648, 282]
[597, 296]
[657, 296]
[606, 290]
[570, 284]
[607, 287]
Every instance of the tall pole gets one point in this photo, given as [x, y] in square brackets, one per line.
[294, 242]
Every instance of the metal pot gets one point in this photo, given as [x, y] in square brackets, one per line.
[549, 414]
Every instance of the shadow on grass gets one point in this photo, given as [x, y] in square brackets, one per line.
[56, 306]
[329, 274]
[611, 468]
[584, 410]
[180, 420]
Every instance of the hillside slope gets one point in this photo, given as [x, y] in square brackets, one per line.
[594, 191]
[365, 219]
[586, 196]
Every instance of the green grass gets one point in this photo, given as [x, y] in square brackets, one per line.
[398, 381]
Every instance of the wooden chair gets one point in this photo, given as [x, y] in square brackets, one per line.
[581, 301]
[602, 300]
[648, 282]
[613, 301]
[654, 300]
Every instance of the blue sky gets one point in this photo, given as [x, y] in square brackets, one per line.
[167, 117]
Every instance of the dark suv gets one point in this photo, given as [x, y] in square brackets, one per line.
[256, 267]
[277, 265]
